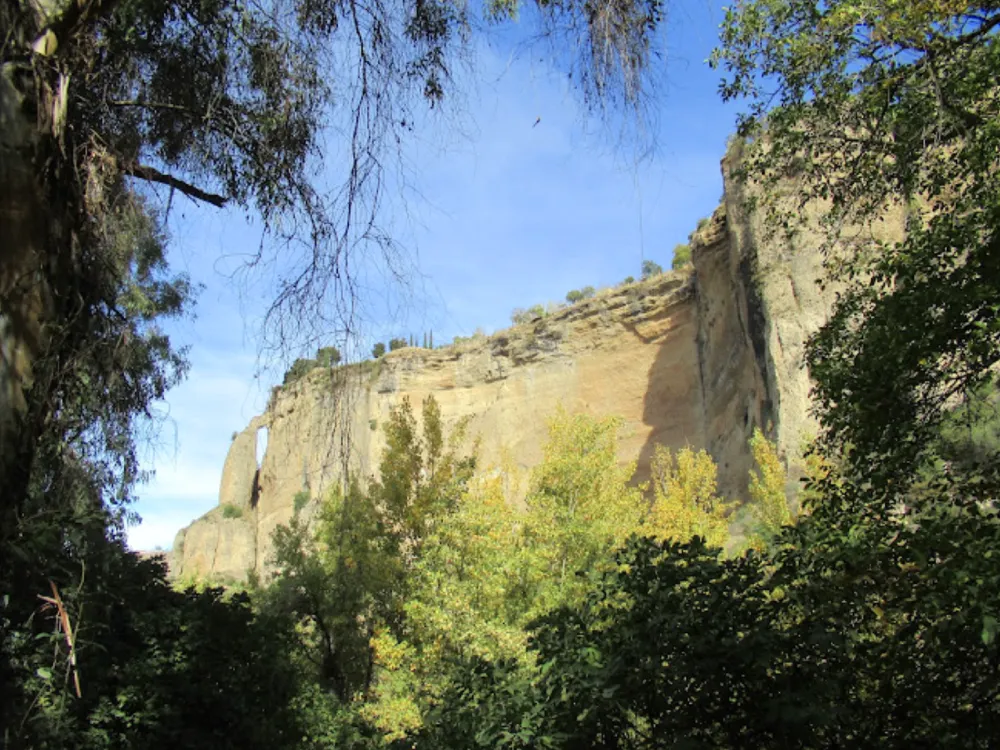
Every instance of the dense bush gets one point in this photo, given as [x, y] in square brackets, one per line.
[327, 356]
[650, 269]
[231, 511]
[681, 257]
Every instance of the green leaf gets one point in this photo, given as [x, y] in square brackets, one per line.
[989, 633]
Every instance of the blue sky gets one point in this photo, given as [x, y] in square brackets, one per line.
[511, 214]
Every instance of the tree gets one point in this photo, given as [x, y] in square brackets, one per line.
[464, 601]
[338, 582]
[378, 350]
[588, 292]
[768, 502]
[346, 582]
[300, 367]
[880, 108]
[629, 280]
[397, 343]
[685, 503]
[328, 356]
[580, 504]
[574, 296]
[64, 508]
[681, 257]
[650, 269]
[489, 566]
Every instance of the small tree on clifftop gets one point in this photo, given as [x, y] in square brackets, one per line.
[651, 268]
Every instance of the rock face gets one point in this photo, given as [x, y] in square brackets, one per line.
[698, 357]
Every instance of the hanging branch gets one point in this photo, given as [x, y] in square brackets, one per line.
[63, 622]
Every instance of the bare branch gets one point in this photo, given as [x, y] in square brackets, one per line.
[148, 105]
[154, 175]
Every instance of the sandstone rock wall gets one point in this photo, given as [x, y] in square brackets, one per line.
[699, 357]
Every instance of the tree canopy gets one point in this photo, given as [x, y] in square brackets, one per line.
[651, 268]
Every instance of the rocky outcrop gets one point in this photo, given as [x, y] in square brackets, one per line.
[699, 357]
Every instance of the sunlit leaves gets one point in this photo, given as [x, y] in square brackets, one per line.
[768, 502]
[580, 504]
[685, 501]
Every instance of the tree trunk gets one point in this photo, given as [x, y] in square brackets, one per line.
[35, 220]
[24, 289]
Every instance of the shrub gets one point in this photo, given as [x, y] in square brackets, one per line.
[397, 343]
[651, 268]
[299, 368]
[328, 356]
[574, 296]
[587, 292]
[629, 280]
[232, 511]
[300, 500]
[521, 316]
[378, 350]
[682, 257]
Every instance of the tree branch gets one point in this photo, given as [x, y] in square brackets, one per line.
[154, 175]
[148, 105]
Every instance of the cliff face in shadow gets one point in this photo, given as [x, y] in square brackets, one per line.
[698, 357]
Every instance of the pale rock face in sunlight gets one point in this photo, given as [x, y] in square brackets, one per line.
[699, 357]
[496, 214]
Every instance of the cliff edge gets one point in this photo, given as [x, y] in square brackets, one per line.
[697, 357]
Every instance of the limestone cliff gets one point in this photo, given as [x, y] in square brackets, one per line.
[699, 357]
